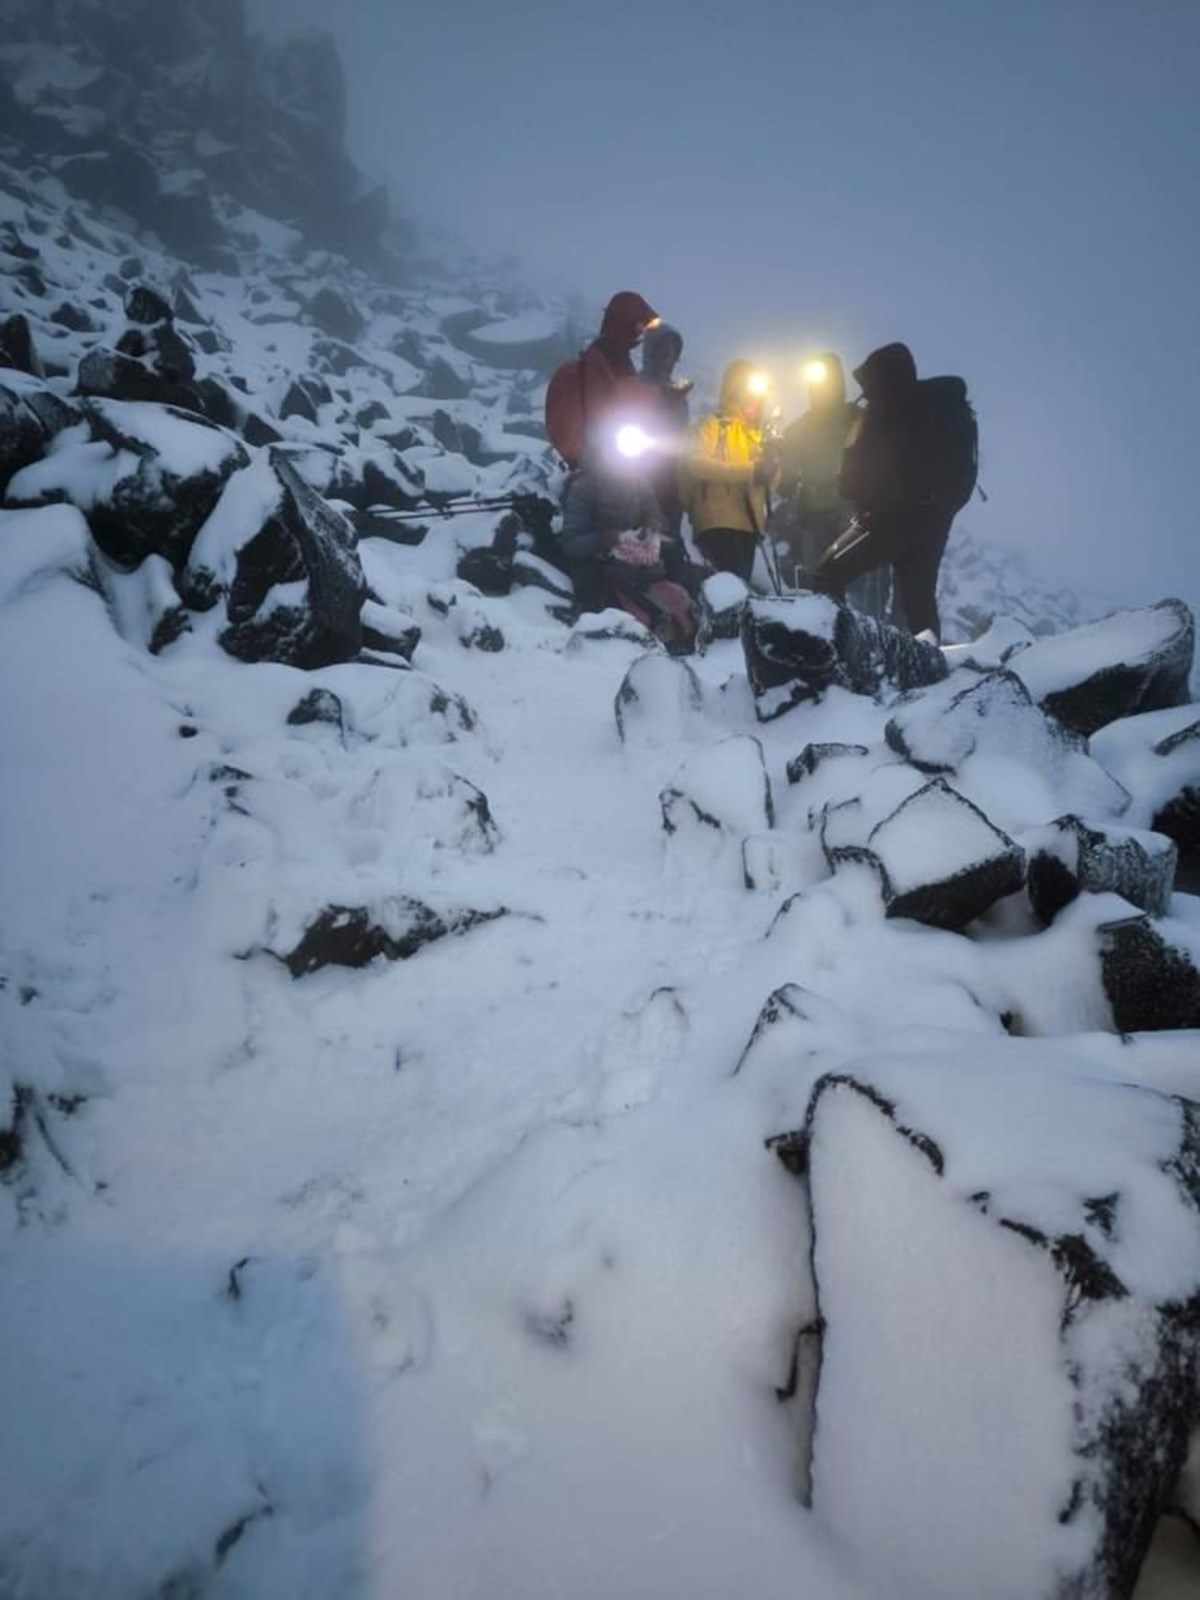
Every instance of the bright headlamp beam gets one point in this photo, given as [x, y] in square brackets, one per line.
[633, 441]
[816, 372]
[758, 383]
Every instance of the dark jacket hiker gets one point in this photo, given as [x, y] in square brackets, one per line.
[668, 420]
[909, 467]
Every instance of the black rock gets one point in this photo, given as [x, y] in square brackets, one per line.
[73, 317]
[162, 348]
[300, 401]
[23, 437]
[111, 375]
[810, 758]
[388, 630]
[1147, 654]
[486, 569]
[301, 542]
[797, 647]
[146, 305]
[159, 506]
[1069, 857]
[17, 348]
[441, 382]
[334, 314]
[351, 936]
[318, 705]
[971, 865]
[1151, 983]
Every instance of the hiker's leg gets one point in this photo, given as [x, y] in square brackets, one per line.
[874, 549]
[917, 573]
[729, 550]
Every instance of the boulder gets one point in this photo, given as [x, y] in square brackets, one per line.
[388, 630]
[23, 437]
[659, 701]
[1151, 974]
[816, 755]
[17, 348]
[944, 863]
[1069, 857]
[1157, 758]
[966, 1269]
[146, 476]
[1130, 662]
[798, 646]
[396, 928]
[114, 375]
[285, 565]
[335, 315]
[722, 600]
[717, 799]
[318, 706]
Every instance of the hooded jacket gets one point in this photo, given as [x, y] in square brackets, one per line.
[881, 468]
[812, 446]
[607, 363]
[717, 477]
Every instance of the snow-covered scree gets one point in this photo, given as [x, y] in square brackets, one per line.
[405, 994]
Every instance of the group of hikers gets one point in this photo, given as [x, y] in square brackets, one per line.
[854, 500]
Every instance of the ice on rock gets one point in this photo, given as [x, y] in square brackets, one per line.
[1070, 857]
[1003, 1240]
[1130, 662]
[944, 863]
[659, 702]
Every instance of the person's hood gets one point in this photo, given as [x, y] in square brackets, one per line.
[886, 372]
[661, 349]
[831, 391]
[625, 316]
[734, 385]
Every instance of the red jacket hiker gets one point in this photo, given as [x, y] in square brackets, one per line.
[583, 394]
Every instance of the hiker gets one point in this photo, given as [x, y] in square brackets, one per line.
[813, 510]
[662, 347]
[602, 502]
[587, 395]
[726, 475]
[909, 467]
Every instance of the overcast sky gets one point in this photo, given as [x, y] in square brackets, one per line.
[1010, 186]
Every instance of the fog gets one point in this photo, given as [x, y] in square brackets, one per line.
[1008, 188]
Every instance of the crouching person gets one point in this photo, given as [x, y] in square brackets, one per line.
[601, 504]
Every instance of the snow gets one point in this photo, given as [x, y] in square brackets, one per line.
[1054, 664]
[532, 327]
[468, 1273]
[933, 835]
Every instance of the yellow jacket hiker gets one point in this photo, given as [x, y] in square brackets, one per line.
[722, 477]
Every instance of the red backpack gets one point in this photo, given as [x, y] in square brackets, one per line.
[566, 411]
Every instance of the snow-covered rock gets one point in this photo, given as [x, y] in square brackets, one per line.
[1157, 757]
[943, 861]
[1151, 973]
[963, 1266]
[659, 701]
[1069, 857]
[798, 646]
[1133, 661]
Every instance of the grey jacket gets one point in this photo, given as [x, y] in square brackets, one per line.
[600, 502]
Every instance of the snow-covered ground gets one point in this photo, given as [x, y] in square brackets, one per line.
[469, 1271]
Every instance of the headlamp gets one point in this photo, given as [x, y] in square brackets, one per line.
[816, 372]
[757, 384]
[633, 441]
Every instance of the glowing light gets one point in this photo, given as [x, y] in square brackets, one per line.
[633, 441]
[816, 372]
[655, 322]
[758, 383]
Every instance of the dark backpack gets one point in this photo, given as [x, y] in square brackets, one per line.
[948, 438]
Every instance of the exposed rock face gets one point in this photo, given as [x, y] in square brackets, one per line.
[915, 1248]
[354, 936]
[264, 124]
[1151, 975]
[286, 566]
[1069, 858]
[799, 646]
[1133, 661]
